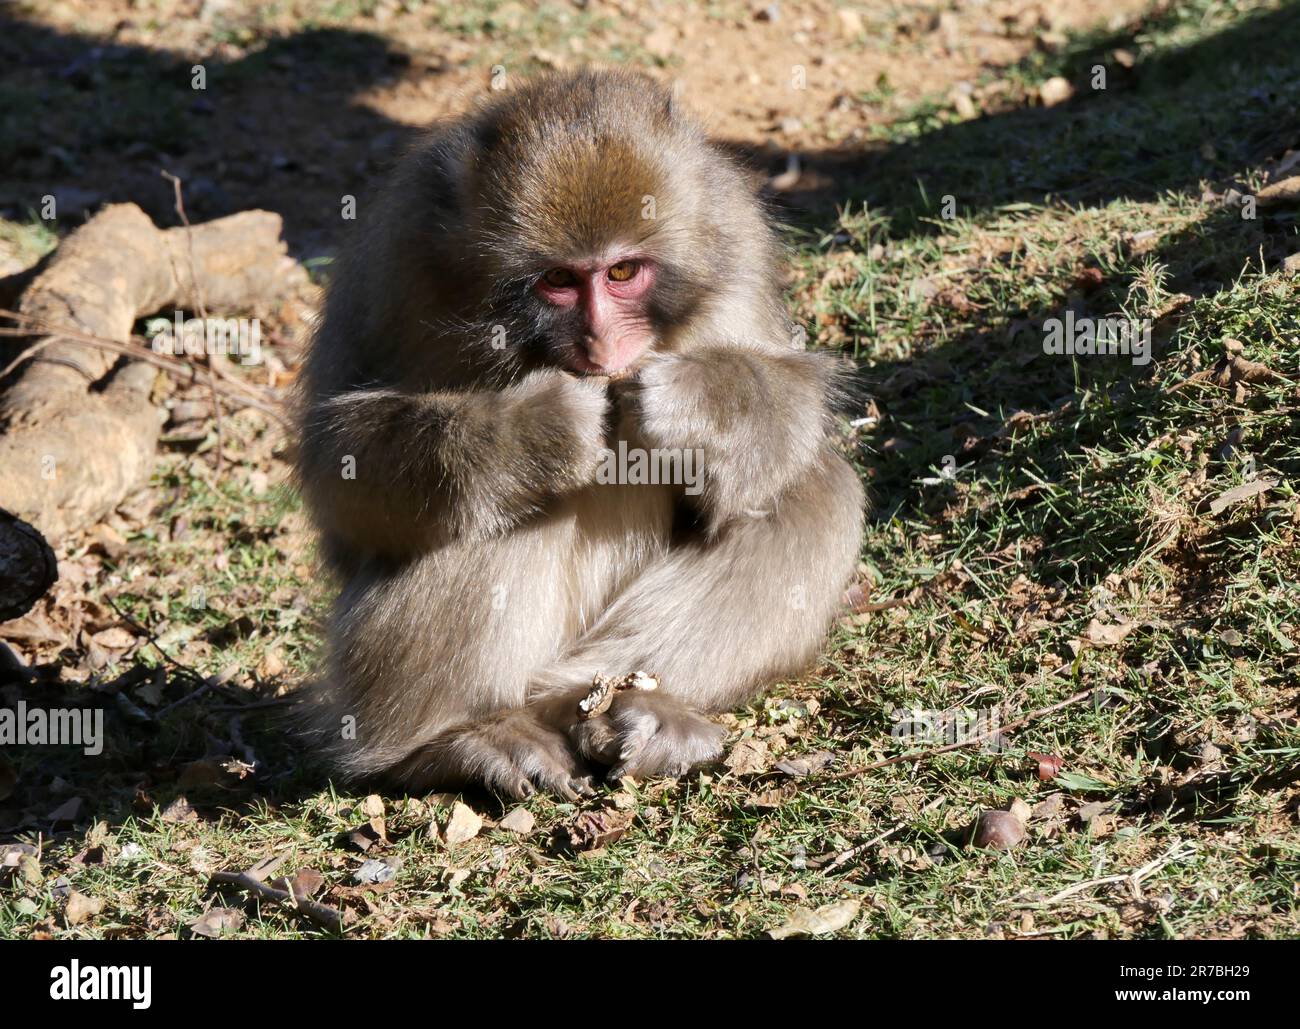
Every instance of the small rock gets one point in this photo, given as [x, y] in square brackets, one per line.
[850, 23]
[378, 870]
[963, 105]
[464, 824]
[520, 820]
[1055, 90]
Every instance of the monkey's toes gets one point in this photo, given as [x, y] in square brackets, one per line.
[597, 739]
[518, 755]
[663, 740]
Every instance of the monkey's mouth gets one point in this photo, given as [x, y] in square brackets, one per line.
[585, 367]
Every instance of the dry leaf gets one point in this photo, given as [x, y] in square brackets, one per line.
[828, 918]
[749, 757]
[116, 638]
[81, 908]
[1108, 635]
[67, 811]
[372, 806]
[1237, 494]
[594, 829]
[179, 810]
[217, 922]
[306, 882]
[805, 764]
[1048, 765]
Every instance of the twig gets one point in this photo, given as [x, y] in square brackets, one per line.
[1177, 852]
[844, 857]
[34, 349]
[203, 313]
[235, 390]
[922, 755]
[322, 914]
[152, 640]
[220, 679]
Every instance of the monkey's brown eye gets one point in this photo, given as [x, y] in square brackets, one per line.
[622, 271]
[560, 278]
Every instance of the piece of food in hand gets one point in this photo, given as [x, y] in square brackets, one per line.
[603, 688]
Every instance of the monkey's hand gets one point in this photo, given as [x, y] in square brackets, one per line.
[648, 734]
[557, 424]
[512, 753]
[757, 418]
[396, 472]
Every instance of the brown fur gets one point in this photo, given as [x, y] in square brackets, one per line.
[486, 575]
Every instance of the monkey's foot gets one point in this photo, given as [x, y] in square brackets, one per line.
[513, 754]
[648, 734]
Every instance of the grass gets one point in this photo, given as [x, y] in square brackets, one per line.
[1071, 546]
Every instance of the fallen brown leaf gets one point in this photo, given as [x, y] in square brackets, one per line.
[828, 918]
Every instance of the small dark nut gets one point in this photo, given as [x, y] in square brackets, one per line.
[998, 830]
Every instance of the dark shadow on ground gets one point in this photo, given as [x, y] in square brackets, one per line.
[280, 128]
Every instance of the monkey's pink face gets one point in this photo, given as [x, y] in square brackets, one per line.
[611, 299]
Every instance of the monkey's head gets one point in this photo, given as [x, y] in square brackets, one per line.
[592, 203]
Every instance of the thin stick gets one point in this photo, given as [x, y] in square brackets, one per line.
[233, 389]
[35, 348]
[203, 313]
[923, 755]
[1134, 879]
[848, 855]
[322, 914]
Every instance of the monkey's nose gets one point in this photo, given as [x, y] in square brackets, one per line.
[600, 352]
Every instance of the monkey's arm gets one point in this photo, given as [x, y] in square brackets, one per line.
[759, 418]
[394, 473]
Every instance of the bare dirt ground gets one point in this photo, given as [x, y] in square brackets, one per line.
[307, 101]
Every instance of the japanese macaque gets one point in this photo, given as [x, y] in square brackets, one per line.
[569, 275]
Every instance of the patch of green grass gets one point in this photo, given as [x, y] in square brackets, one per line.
[29, 241]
